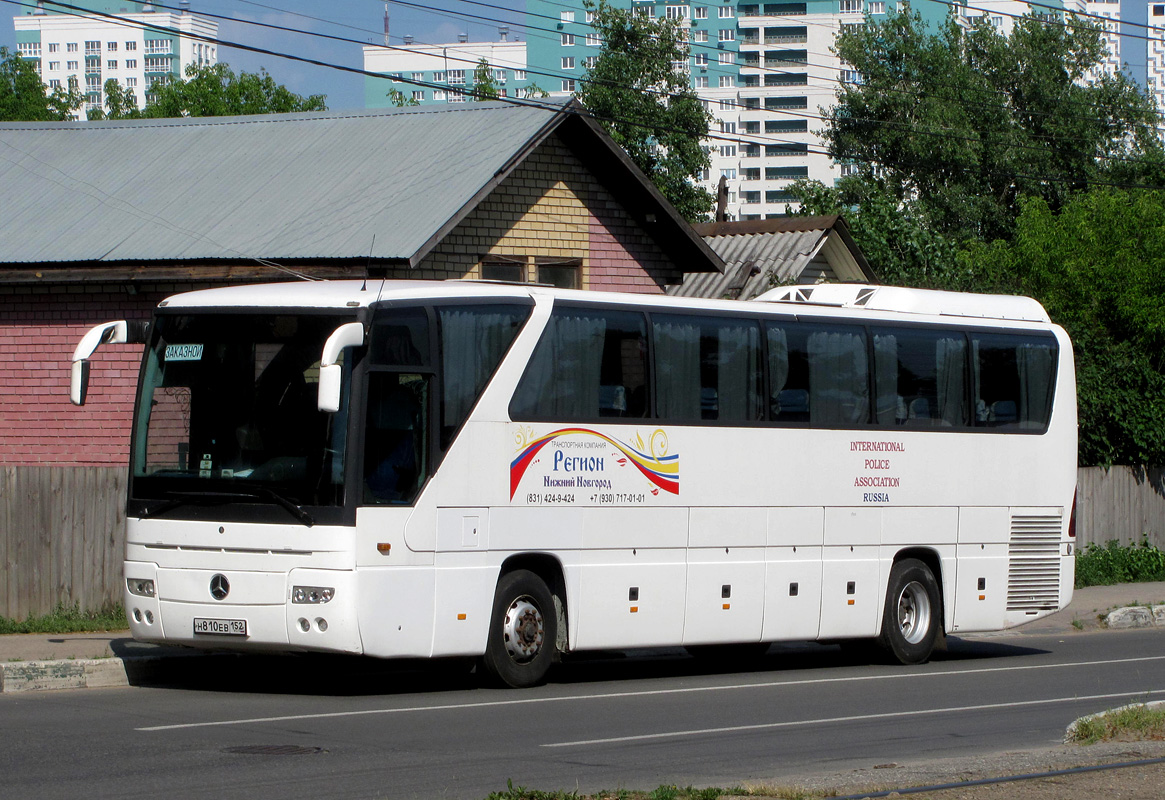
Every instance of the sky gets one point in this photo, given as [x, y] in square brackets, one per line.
[362, 21]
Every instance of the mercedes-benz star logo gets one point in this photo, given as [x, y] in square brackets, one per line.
[220, 587]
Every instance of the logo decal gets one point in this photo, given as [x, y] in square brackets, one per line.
[220, 587]
[651, 458]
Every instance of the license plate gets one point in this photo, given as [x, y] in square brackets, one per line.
[221, 627]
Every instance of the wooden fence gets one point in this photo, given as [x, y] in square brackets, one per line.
[62, 529]
[62, 537]
[1120, 503]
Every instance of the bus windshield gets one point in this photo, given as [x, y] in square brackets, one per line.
[228, 406]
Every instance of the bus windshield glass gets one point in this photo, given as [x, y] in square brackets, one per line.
[228, 405]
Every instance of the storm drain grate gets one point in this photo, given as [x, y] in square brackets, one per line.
[273, 750]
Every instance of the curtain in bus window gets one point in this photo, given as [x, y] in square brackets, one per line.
[677, 369]
[473, 342]
[950, 360]
[1036, 380]
[738, 372]
[891, 409]
[562, 379]
[838, 383]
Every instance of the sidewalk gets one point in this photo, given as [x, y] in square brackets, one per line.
[32, 662]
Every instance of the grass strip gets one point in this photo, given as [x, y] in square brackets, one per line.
[68, 619]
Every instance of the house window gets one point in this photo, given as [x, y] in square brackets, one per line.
[439, 77]
[568, 40]
[677, 12]
[438, 94]
[131, 63]
[71, 47]
[111, 46]
[54, 47]
[503, 270]
[701, 59]
[418, 76]
[700, 36]
[568, 62]
[457, 77]
[590, 61]
[131, 45]
[519, 74]
[727, 81]
[590, 17]
[727, 35]
[157, 47]
[728, 127]
[726, 12]
[850, 76]
[55, 83]
[701, 81]
[566, 16]
[500, 75]
[594, 40]
[877, 7]
[111, 64]
[73, 65]
[568, 86]
[851, 7]
[727, 105]
[131, 82]
[727, 57]
[456, 97]
[54, 66]
[419, 96]
[701, 12]
[728, 174]
[92, 48]
[728, 150]
[558, 272]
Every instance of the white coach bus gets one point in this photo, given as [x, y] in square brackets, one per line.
[513, 472]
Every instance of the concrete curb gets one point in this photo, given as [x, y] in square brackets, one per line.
[88, 673]
[1070, 732]
[1135, 617]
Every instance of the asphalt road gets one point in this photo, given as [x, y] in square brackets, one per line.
[282, 727]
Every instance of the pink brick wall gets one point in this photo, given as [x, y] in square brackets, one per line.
[39, 329]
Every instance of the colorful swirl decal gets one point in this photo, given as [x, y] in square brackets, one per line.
[650, 458]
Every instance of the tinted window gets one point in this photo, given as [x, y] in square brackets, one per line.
[707, 368]
[589, 363]
[1015, 376]
[920, 377]
[818, 374]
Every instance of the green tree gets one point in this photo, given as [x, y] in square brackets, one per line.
[961, 124]
[484, 85]
[1096, 265]
[120, 103]
[23, 98]
[398, 98]
[216, 91]
[646, 103]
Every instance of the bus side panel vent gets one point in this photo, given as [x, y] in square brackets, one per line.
[1033, 570]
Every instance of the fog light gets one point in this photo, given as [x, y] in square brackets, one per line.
[304, 625]
[140, 587]
[137, 615]
[322, 624]
[312, 594]
[149, 617]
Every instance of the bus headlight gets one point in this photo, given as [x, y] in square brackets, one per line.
[140, 587]
[312, 594]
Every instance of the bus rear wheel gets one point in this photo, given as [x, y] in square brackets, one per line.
[911, 619]
[523, 631]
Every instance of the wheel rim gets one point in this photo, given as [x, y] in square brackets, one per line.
[524, 630]
[913, 612]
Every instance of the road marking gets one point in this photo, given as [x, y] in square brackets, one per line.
[854, 718]
[898, 675]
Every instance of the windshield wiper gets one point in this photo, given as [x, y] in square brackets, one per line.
[175, 499]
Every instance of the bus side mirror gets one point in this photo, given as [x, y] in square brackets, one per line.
[350, 334]
[106, 333]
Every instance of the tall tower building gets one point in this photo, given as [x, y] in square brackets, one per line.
[130, 42]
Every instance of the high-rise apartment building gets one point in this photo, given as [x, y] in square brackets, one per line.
[1155, 53]
[130, 42]
[763, 70]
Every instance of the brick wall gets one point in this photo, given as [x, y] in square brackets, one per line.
[40, 327]
[551, 206]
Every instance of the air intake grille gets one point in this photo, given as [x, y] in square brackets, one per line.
[1033, 571]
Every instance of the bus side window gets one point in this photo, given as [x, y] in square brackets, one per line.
[707, 368]
[788, 373]
[920, 378]
[1015, 377]
[589, 364]
[839, 393]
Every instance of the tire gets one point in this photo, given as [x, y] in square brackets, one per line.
[523, 631]
[913, 613]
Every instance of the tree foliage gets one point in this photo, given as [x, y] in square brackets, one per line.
[23, 98]
[1097, 268]
[485, 87]
[647, 105]
[211, 91]
[963, 123]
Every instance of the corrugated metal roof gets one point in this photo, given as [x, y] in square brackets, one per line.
[759, 255]
[278, 186]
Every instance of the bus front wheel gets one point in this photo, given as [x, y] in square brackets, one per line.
[910, 623]
[523, 631]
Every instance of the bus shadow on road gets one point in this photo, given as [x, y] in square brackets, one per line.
[337, 675]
